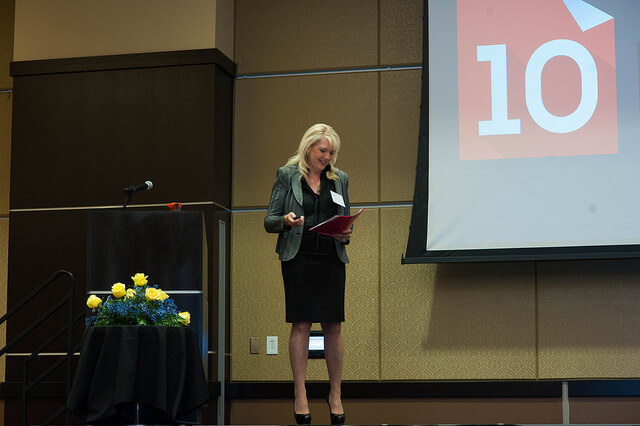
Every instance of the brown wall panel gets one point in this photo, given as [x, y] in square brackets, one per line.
[453, 321]
[401, 32]
[42, 243]
[6, 82]
[399, 128]
[613, 410]
[98, 132]
[408, 411]
[589, 313]
[257, 303]
[80, 137]
[289, 35]
[5, 151]
[272, 114]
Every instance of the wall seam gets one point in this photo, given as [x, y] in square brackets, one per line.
[353, 206]
[379, 136]
[379, 295]
[197, 203]
[378, 23]
[116, 206]
[379, 200]
[327, 72]
[203, 203]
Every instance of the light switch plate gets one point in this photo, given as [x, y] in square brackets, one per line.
[254, 345]
[272, 345]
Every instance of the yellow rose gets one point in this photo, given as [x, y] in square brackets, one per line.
[118, 290]
[140, 279]
[93, 301]
[185, 318]
[153, 294]
[163, 296]
[130, 293]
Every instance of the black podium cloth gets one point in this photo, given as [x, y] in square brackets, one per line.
[156, 367]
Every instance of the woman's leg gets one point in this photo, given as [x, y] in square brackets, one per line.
[334, 354]
[298, 354]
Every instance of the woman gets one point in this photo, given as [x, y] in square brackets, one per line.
[309, 190]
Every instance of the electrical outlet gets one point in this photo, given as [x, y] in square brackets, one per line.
[272, 345]
[254, 345]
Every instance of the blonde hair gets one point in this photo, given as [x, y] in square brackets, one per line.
[312, 136]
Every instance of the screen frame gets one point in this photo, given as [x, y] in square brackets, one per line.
[417, 251]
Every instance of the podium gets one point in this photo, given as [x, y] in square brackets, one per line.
[168, 246]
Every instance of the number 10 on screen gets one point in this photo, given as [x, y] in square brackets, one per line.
[535, 79]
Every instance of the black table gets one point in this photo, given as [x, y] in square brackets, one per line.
[121, 367]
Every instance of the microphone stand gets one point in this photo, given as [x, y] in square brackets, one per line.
[126, 201]
[130, 190]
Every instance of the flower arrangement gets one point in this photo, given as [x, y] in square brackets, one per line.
[141, 304]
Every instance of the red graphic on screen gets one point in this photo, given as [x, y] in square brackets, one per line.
[532, 83]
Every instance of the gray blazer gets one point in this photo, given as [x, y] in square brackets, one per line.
[286, 196]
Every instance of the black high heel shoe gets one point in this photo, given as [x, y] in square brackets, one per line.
[336, 419]
[301, 419]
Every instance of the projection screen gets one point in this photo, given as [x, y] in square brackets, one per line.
[530, 131]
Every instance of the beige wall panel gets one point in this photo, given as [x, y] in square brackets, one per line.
[225, 27]
[453, 321]
[399, 129]
[257, 304]
[69, 28]
[6, 41]
[361, 326]
[5, 151]
[271, 115]
[589, 319]
[257, 301]
[4, 253]
[400, 32]
[293, 35]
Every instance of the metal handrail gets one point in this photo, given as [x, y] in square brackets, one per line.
[68, 298]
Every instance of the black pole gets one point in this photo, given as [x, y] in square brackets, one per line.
[126, 201]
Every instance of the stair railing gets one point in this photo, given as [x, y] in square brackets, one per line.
[68, 328]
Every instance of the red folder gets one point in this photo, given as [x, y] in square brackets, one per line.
[335, 225]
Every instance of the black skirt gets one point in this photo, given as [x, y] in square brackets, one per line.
[314, 286]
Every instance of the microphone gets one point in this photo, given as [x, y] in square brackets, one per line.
[144, 187]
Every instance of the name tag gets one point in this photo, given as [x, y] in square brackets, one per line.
[337, 198]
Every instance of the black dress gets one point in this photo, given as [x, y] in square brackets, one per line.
[314, 278]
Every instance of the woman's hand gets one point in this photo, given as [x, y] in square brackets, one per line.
[290, 220]
[343, 237]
